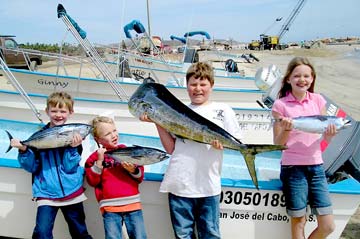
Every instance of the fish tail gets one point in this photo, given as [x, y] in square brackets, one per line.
[250, 163]
[249, 155]
[10, 138]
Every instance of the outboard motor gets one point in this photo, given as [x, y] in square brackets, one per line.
[269, 79]
[231, 66]
[191, 56]
[124, 68]
[342, 155]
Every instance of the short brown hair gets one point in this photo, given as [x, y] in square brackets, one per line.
[202, 70]
[96, 121]
[60, 99]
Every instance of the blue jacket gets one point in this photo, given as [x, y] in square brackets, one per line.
[56, 172]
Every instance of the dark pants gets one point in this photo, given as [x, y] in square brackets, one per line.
[74, 216]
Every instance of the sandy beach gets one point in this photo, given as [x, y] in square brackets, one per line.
[337, 68]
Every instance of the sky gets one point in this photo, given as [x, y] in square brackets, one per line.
[35, 21]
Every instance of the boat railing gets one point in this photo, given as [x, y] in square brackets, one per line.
[140, 30]
[19, 88]
[91, 52]
[61, 62]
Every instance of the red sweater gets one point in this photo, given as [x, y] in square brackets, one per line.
[114, 186]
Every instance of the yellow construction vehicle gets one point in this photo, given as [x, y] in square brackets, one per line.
[268, 42]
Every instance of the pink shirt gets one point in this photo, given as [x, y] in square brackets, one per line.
[303, 148]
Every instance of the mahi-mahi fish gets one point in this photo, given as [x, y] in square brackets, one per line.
[318, 123]
[54, 137]
[166, 110]
[138, 155]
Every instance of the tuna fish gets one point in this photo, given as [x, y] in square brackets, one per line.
[166, 110]
[138, 155]
[55, 137]
[318, 123]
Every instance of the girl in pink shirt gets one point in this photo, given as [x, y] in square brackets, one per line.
[302, 173]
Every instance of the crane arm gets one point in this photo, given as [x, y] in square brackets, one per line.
[291, 18]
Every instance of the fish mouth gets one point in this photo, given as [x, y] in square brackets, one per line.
[347, 123]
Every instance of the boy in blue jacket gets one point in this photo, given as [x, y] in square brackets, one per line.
[57, 175]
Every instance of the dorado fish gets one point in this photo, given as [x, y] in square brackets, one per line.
[318, 123]
[138, 155]
[170, 113]
[54, 137]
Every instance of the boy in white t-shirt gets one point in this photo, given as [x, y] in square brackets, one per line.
[193, 177]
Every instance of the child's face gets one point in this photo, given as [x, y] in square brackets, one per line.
[58, 115]
[301, 79]
[199, 90]
[107, 135]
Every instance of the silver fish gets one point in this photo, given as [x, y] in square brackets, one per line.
[138, 155]
[319, 123]
[55, 137]
[167, 111]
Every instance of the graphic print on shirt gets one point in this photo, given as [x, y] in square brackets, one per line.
[219, 115]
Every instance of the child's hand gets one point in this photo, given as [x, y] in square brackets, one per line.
[330, 132]
[286, 124]
[100, 160]
[15, 143]
[76, 140]
[131, 168]
[217, 144]
[145, 118]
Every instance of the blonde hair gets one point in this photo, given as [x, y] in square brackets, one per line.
[297, 61]
[96, 121]
[202, 70]
[60, 99]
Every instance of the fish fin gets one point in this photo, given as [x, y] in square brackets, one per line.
[262, 148]
[10, 138]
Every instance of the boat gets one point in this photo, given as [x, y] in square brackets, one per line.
[171, 74]
[244, 210]
[45, 82]
[253, 121]
[168, 73]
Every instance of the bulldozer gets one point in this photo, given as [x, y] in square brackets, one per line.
[268, 42]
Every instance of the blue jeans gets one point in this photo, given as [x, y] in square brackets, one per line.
[304, 185]
[134, 223]
[186, 213]
[74, 216]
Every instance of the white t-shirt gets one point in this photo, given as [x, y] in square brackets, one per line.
[194, 168]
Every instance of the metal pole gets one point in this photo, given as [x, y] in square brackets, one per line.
[148, 16]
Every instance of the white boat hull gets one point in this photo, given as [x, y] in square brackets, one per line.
[166, 73]
[253, 122]
[247, 213]
[45, 83]
[244, 210]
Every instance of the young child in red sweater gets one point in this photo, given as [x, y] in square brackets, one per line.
[116, 184]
